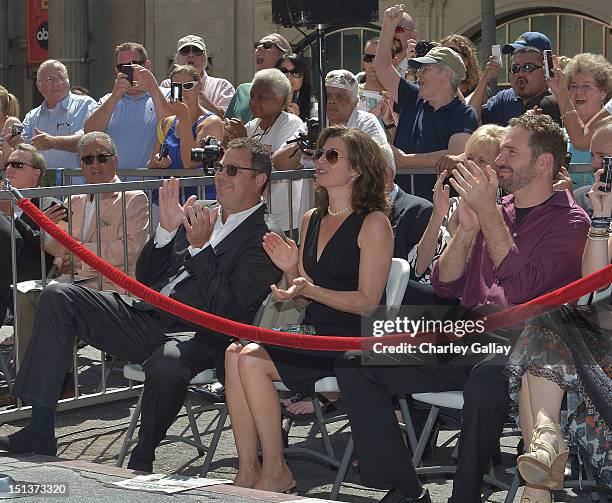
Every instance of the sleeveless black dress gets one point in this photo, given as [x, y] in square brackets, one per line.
[337, 269]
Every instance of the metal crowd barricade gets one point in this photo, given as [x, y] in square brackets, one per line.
[104, 394]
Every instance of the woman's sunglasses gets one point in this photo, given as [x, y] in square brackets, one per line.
[101, 158]
[527, 67]
[331, 155]
[230, 169]
[183, 51]
[368, 58]
[294, 73]
[17, 165]
[186, 85]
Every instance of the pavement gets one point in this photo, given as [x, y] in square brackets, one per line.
[90, 440]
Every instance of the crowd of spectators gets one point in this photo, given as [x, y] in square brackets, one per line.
[500, 220]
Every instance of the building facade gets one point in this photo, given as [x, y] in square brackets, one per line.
[83, 33]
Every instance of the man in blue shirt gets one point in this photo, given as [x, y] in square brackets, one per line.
[129, 113]
[433, 121]
[55, 127]
[527, 80]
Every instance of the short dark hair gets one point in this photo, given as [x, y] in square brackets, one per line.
[546, 137]
[132, 46]
[38, 161]
[260, 156]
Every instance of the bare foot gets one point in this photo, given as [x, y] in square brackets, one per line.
[277, 482]
[247, 477]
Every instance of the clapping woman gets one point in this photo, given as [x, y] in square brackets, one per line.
[338, 274]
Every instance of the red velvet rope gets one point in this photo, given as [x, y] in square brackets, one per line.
[502, 319]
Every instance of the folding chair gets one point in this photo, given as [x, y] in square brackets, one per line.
[136, 373]
[395, 290]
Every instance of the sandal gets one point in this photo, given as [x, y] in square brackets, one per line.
[544, 465]
[327, 407]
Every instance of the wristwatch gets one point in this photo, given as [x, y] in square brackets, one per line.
[390, 126]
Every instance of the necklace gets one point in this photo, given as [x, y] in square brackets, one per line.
[339, 212]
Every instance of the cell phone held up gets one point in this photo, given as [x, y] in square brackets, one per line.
[16, 129]
[176, 91]
[606, 164]
[548, 64]
[65, 218]
[496, 53]
[164, 151]
[128, 70]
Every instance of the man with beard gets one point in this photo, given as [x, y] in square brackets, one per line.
[527, 80]
[499, 256]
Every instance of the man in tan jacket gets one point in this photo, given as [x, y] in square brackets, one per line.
[98, 158]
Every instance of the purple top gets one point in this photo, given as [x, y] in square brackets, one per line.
[546, 254]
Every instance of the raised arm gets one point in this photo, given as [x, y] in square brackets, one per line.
[383, 63]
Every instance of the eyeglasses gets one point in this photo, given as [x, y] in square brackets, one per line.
[187, 85]
[294, 73]
[101, 158]
[183, 51]
[50, 80]
[230, 169]
[331, 155]
[401, 29]
[268, 44]
[584, 88]
[17, 165]
[368, 58]
[135, 62]
[527, 67]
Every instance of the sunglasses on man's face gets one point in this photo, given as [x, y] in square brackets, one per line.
[135, 62]
[331, 155]
[368, 58]
[268, 44]
[17, 165]
[527, 67]
[230, 169]
[186, 85]
[101, 158]
[183, 51]
[294, 73]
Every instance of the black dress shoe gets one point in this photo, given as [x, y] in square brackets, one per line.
[26, 441]
[394, 496]
[214, 392]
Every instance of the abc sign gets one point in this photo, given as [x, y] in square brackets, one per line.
[42, 35]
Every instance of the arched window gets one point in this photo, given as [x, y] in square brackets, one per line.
[569, 34]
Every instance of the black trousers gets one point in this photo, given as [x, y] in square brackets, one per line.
[104, 321]
[384, 460]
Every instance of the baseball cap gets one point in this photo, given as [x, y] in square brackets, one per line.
[193, 40]
[342, 79]
[443, 55]
[529, 38]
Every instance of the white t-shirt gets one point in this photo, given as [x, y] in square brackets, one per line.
[287, 126]
[608, 107]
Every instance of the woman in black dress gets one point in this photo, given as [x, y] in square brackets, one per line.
[339, 274]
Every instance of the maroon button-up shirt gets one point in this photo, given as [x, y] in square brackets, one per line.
[546, 254]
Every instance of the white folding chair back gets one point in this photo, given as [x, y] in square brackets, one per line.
[398, 281]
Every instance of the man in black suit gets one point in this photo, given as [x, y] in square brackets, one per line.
[24, 169]
[409, 214]
[211, 260]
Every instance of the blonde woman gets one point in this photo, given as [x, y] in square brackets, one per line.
[9, 116]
